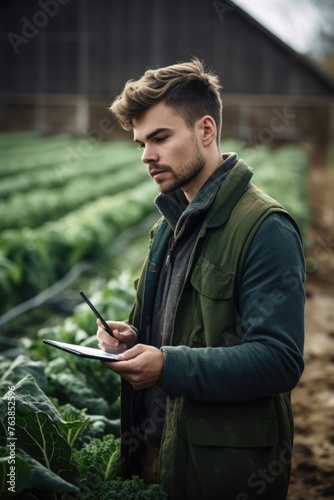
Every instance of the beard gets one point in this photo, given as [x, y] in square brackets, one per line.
[184, 174]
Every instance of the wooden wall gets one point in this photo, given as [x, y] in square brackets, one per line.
[62, 59]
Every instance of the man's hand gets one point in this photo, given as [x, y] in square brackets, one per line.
[141, 366]
[126, 337]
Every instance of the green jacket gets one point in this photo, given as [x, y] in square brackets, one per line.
[211, 448]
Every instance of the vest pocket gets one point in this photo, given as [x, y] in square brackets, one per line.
[233, 432]
[212, 281]
[210, 300]
[224, 456]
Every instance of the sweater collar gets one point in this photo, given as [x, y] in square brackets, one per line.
[175, 207]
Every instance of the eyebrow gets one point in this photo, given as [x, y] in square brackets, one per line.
[153, 134]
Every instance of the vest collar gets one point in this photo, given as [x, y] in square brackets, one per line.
[228, 195]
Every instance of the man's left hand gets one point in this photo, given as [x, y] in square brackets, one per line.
[141, 366]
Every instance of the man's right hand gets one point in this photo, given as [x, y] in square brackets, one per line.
[125, 337]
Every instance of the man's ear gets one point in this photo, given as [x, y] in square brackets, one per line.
[208, 130]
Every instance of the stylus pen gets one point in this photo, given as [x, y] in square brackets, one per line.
[97, 314]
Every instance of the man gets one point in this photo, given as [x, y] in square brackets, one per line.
[214, 342]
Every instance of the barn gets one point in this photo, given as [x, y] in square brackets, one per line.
[63, 62]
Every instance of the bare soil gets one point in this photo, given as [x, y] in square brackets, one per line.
[313, 399]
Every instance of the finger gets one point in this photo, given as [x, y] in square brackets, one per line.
[131, 353]
[108, 347]
[106, 339]
[117, 335]
[106, 342]
[104, 327]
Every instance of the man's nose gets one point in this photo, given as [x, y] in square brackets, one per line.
[149, 155]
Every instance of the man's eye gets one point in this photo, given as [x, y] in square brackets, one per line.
[160, 139]
[140, 146]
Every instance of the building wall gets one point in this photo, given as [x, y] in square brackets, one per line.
[64, 58]
[94, 47]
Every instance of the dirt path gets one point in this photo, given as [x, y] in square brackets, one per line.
[313, 399]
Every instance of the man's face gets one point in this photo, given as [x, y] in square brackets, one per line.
[171, 149]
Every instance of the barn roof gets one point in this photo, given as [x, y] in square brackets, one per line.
[297, 57]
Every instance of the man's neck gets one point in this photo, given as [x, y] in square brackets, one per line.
[210, 166]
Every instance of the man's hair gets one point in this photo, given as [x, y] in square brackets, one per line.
[186, 87]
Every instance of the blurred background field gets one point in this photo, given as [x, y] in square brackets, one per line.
[76, 204]
[97, 210]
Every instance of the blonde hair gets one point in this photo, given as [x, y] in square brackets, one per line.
[186, 87]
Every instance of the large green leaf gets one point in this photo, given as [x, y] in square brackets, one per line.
[22, 366]
[75, 423]
[39, 437]
[36, 430]
[28, 391]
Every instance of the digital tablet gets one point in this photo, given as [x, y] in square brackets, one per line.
[83, 351]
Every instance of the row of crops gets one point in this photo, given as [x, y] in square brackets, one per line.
[64, 209]
[63, 203]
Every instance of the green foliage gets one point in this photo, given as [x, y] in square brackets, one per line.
[32, 479]
[83, 383]
[24, 209]
[100, 456]
[74, 197]
[22, 366]
[73, 423]
[47, 443]
[63, 204]
[114, 300]
[130, 489]
[43, 454]
[51, 459]
[45, 254]
[67, 408]
[283, 175]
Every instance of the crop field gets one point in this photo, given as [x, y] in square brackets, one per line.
[66, 203]
[63, 202]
